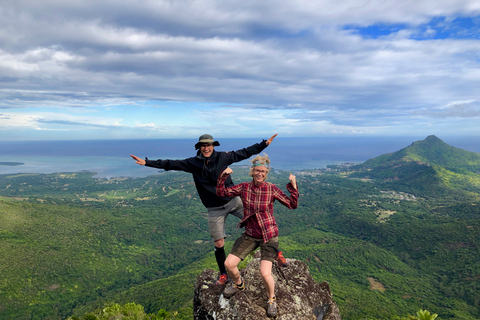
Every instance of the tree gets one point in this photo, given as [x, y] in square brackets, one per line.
[423, 315]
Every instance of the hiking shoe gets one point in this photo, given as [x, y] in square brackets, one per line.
[272, 307]
[222, 279]
[281, 260]
[230, 291]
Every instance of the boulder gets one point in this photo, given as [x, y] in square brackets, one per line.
[299, 297]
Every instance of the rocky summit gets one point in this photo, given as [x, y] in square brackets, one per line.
[299, 297]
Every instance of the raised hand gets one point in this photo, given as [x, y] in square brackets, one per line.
[227, 171]
[271, 139]
[293, 180]
[138, 160]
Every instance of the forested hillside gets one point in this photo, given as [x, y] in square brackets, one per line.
[387, 246]
[428, 166]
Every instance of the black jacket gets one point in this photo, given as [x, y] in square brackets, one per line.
[206, 171]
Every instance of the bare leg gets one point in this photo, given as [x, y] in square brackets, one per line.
[268, 282]
[219, 243]
[231, 265]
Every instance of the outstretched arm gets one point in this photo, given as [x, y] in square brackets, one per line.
[246, 153]
[138, 160]
[179, 165]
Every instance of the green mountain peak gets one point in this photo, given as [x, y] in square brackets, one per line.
[431, 151]
[426, 162]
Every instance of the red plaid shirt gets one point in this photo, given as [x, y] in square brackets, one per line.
[258, 201]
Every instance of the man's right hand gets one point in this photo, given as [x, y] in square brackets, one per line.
[138, 160]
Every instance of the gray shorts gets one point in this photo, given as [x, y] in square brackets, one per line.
[217, 217]
[244, 245]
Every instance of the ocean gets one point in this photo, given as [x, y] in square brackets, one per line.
[111, 158]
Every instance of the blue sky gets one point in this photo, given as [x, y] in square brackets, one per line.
[177, 69]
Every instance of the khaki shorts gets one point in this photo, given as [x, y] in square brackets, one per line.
[217, 217]
[246, 244]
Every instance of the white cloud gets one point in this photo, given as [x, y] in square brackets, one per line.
[290, 58]
[459, 109]
[8, 121]
[145, 125]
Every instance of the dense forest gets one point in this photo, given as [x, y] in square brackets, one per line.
[394, 235]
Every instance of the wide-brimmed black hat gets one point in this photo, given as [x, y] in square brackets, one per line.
[206, 138]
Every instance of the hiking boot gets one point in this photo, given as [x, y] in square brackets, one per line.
[272, 307]
[281, 260]
[230, 291]
[222, 279]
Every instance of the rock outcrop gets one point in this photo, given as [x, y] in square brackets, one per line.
[299, 297]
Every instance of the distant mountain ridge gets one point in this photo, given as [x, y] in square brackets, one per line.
[434, 151]
[427, 162]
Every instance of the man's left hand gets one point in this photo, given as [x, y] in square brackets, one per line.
[271, 139]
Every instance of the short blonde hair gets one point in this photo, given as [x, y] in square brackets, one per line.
[260, 160]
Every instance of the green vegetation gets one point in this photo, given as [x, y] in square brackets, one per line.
[398, 234]
[129, 311]
[424, 315]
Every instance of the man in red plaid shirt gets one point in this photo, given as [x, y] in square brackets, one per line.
[260, 227]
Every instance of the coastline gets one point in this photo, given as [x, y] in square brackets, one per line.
[111, 158]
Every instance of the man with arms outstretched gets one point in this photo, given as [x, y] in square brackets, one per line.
[206, 167]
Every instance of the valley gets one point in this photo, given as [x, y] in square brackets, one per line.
[393, 235]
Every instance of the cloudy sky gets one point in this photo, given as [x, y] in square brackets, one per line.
[115, 69]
